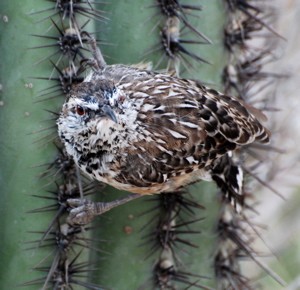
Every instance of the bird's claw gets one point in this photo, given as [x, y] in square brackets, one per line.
[82, 213]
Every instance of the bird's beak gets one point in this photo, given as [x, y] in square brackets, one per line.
[107, 111]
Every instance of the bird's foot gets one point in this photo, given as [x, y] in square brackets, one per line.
[82, 213]
[84, 210]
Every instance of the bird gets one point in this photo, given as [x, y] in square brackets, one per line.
[148, 132]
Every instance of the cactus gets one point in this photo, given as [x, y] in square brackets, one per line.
[124, 231]
[19, 118]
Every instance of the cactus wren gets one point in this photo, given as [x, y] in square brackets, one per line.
[147, 132]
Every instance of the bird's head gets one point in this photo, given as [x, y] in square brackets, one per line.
[88, 113]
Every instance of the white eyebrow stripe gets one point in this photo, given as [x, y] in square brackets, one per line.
[91, 105]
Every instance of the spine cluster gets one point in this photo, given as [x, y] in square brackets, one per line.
[68, 245]
[176, 215]
[173, 221]
[249, 41]
[174, 23]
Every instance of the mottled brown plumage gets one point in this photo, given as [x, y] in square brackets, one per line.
[147, 132]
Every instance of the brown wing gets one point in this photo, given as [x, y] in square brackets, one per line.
[182, 126]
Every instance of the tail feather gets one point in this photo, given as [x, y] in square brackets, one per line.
[229, 178]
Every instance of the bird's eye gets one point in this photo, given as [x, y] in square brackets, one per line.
[80, 110]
